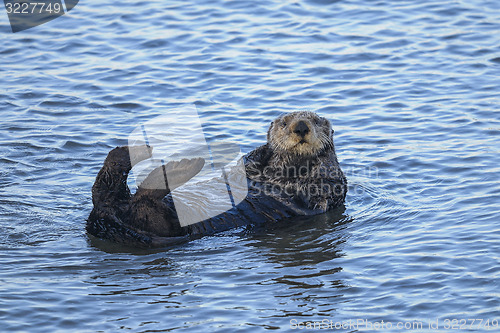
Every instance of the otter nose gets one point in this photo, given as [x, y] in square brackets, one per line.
[301, 129]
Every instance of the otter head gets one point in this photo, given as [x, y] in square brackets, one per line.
[300, 134]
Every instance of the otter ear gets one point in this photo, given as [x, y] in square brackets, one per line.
[269, 130]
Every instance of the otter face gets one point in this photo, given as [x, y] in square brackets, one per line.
[302, 133]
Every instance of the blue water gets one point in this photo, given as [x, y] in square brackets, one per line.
[411, 88]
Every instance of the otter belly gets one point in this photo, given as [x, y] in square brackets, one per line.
[260, 206]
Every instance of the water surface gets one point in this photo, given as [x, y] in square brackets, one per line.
[410, 87]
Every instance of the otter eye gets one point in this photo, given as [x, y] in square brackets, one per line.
[283, 124]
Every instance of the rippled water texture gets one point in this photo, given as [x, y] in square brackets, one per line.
[412, 90]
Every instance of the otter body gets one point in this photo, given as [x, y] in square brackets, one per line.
[295, 173]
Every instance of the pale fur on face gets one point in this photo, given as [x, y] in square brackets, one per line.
[284, 141]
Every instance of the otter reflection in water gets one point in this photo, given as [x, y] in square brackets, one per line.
[295, 173]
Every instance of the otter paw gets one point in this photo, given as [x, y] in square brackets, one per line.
[173, 174]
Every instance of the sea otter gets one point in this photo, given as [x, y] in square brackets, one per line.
[295, 173]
